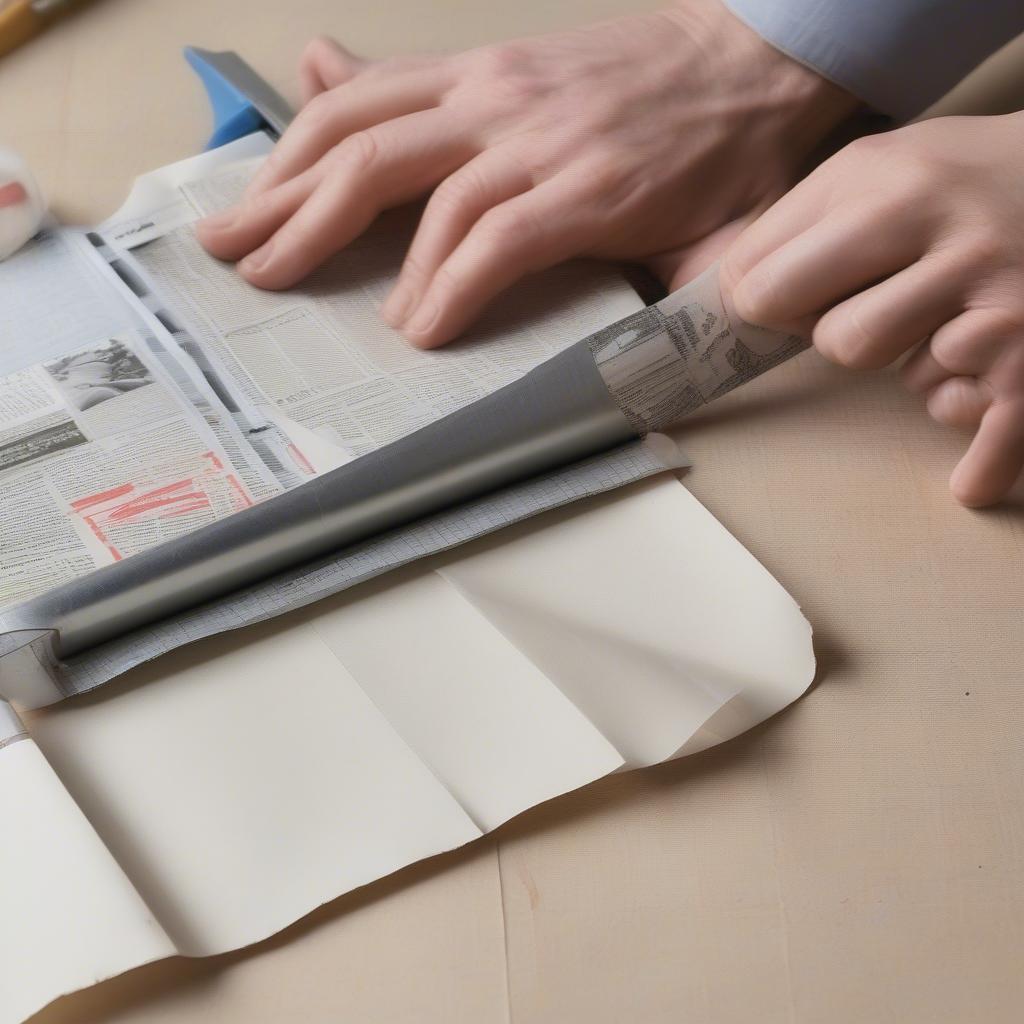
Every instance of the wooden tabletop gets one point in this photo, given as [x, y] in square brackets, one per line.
[858, 858]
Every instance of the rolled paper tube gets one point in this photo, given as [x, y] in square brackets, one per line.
[21, 203]
[663, 362]
[638, 375]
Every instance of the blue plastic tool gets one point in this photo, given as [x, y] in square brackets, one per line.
[242, 102]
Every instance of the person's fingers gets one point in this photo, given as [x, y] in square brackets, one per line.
[488, 180]
[679, 266]
[333, 116]
[995, 458]
[366, 174]
[533, 231]
[848, 250]
[960, 402]
[972, 342]
[965, 347]
[325, 64]
[234, 233]
[920, 373]
[875, 327]
[789, 216]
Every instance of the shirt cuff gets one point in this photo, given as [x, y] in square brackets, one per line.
[898, 56]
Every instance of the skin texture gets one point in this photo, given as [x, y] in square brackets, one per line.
[653, 138]
[910, 242]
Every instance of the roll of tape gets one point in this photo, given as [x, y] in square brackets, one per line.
[21, 203]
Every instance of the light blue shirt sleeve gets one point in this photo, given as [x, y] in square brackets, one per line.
[898, 56]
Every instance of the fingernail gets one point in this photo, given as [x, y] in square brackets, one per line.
[257, 260]
[424, 318]
[396, 309]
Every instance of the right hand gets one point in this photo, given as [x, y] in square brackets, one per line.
[911, 241]
[651, 138]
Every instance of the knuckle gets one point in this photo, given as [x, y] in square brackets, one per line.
[952, 351]
[457, 192]
[734, 266]
[877, 209]
[317, 111]
[359, 151]
[956, 349]
[275, 161]
[958, 402]
[847, 342]
[502, 75]
[413, 268]
[499, 59]
[505, 225]
[983, 250]
[913, 174]
[867, 147]
[606, 175]
[444, 285]
[262, 203]
[869, 152]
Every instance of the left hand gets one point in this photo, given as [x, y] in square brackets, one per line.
[653, 137]
[910, 240]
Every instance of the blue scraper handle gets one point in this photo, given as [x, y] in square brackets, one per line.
[242, 102]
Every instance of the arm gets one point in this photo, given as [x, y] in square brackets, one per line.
[899, 56]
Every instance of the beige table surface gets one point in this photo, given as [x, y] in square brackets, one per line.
[858, 859]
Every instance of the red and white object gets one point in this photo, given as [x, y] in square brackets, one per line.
[21, 203]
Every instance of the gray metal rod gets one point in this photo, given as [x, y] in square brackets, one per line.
[558, 413]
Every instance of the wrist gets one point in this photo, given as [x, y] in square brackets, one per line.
[795, 101]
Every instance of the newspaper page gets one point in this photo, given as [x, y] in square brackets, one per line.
[100, 458]
[54, 298]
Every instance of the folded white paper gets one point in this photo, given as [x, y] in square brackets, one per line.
[208, 799]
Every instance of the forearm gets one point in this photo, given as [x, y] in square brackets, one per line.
[898, 56]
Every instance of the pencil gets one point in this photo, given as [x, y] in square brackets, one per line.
[20, 20]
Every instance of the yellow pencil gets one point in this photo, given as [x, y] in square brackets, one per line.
[20, 20]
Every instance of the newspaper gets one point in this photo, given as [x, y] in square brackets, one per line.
[101, 457]
[168, 392]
